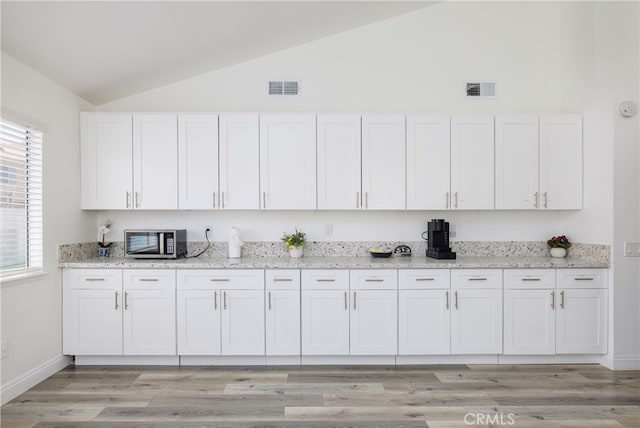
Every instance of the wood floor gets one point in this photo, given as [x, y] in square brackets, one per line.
[415, 396]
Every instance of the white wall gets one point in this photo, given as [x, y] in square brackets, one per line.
[31, 308]
[541, 55]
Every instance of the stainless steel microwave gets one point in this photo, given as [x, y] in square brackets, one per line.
[155, 244]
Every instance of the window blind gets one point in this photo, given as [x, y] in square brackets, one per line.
[21, 231]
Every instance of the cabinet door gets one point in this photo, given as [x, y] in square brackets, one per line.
[198, 322]
[155, 161]
[561, 161]
[472, 162]
[325, 322]
[106, 161]
[529, 322]
[339, 175]
[288, 162]
[243, 322]
[198, 161]
[383, 162]
[428, 162]
[581, 320]
[517, 162]
[283, 322]
[424, 326]
[239, 162]
[374, 322]
[476, 321]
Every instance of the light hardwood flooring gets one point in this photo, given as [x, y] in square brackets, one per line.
[521, 396]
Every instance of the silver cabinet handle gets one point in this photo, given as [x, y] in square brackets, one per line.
[116, 296]
[214, 199]
[224, 300]
[219, 279]
[346, 307]
[446, 200]
[544, 195]
[126, 300]
[358, 200]
[137, 200]
[535, 200]
[222, 199]
[128, 199]
[553, 300]
[366, 200]
[446, 295]
[455, 196]
[562, 299]
[94, 279]
[455, 296]
[584, 278]
[149, 280]
[477, 279]
[264, 199]
[354, 300]
[425, 279]
[326, 280]
[282, 279]
[215, 300]
[269, 300]
[530, 279]
[373, 280]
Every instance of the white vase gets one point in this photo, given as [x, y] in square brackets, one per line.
[296, 252]
[558, 252]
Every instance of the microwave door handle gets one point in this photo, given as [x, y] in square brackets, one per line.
[161, 242]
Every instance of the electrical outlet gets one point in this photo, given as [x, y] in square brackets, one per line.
[4, 349]
[328, 230]
[632, 249]
[209, 229]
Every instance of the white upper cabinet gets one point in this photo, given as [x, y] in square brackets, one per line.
[472, 162]
[288, 162]
[428, 162]
[239, 162]
[155, 161]
[106, 159]
[383, 162]
[339, 171]
[561, 161]
[517, 162]
[198, 161]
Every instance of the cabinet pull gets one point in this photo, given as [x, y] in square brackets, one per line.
[358, 200]
[455, 195]
[446, 295]
[535, 200]
[148, 279]
[584, 278]
[346, 307]
[455, 297]
[126, 300]
[354, 300]
[544, 195]
[224, 300]
[373, 280]
[219, 279]
[137, 200]
[425, 279]
[446, 201]
[215, 300]
[553, 300]
[562, 299]
[222, 199]
[128, 199]
[94, 279]
[282, 279]
[325, 280]
[477, 279]
[116, 298]
[530, 279]
[264, 199]
[269, 300]
[366, 200]
[214, 199]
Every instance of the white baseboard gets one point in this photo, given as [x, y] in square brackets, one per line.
[630, 362]
[550, 359]
[384, 360]
[127, 360]
[23, 383]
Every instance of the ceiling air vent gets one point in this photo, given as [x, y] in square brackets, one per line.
[480, 89]
[284, 87]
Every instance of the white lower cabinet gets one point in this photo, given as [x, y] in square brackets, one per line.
[424, 312]
[282, 320]
[229, 312]
[119, 312]
[476, 317]
[325, 312]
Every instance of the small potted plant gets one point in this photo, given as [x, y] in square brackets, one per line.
[559, 246]
[103, 230]
[295, 243]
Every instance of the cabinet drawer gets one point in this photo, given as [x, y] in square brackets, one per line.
[374, 279]
[581, 278]
[282, 279]
[476, 278]
[325, 279]
[529, 278]
[217, 279]
[149, 279]
[419, 279]
[93, 279]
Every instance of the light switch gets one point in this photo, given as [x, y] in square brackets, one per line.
[632, 249]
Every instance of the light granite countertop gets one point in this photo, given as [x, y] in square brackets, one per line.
[396, 262]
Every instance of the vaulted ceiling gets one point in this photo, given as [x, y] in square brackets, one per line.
[106, 50]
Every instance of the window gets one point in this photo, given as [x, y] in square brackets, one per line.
[20, 199]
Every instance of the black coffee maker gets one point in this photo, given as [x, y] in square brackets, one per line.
[438, 240]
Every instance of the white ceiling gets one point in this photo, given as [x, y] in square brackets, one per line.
[106, 50]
